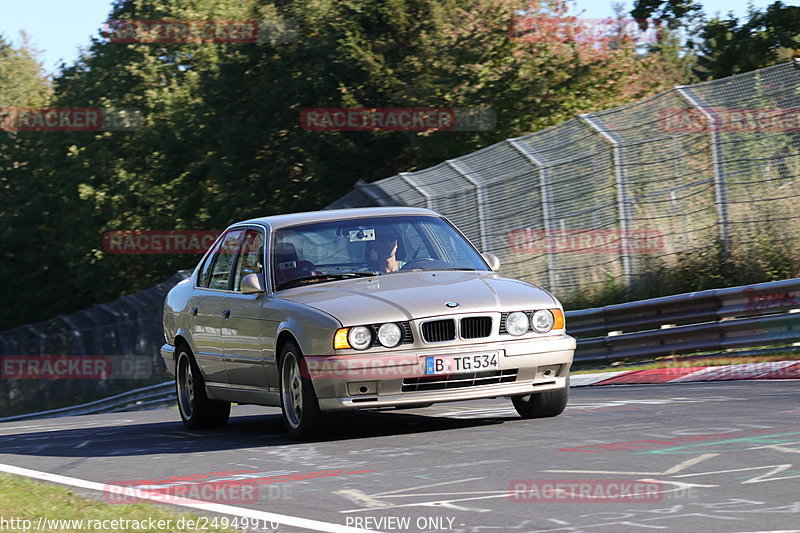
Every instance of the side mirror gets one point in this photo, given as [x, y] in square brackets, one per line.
[253, 284]
[494, 262]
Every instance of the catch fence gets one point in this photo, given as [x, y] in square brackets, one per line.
[614, 194]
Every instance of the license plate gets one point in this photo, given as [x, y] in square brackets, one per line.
[456, 364]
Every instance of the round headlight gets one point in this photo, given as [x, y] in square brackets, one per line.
[390, 335]
[517, 323]
[360, 337]
[542, 321]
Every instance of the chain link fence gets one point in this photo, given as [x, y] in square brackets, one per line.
[608, 195]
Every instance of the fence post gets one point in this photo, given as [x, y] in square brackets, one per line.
[76, 331]
[408, 179]
[365, 188]
[623, 200]
[480, 195]
[547, 206]
[720, 186]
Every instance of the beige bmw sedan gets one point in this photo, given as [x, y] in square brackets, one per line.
[358, 309]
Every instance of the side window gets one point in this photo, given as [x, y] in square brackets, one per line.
[250, 258]
[223, 260]
[204, 276]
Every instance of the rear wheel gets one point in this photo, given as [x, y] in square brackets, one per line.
[542, 404]
[301, 412]
[197, 411]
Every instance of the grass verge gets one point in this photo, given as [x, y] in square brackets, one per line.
[23, 499]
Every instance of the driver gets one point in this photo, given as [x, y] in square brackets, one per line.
[381, 253]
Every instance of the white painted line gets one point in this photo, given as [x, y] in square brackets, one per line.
[312, 525]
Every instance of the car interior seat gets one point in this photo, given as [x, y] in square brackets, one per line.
[285, 263]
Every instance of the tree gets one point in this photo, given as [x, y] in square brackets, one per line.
[23, 82]
[766, 38]
[675, 13]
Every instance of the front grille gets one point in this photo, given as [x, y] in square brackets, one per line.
[439, 330]
[456, 381]
[476, 327]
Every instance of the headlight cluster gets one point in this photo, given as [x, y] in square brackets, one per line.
[541, 321]
[387, 335]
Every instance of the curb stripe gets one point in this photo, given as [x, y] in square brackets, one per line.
[652, 375]
[679, 374]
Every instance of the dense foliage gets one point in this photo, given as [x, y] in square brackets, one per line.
[222, 141]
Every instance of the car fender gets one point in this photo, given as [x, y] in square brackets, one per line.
[312, 329]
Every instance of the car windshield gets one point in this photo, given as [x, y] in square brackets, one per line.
[327, 251]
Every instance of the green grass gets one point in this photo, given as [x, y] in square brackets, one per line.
[25, 499]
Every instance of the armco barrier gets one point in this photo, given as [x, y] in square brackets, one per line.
[763, 314]
[161, 394]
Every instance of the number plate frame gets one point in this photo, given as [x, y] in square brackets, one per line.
[437, 365]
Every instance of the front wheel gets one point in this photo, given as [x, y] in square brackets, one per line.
[542, 404]
[197, 411]
[301, 412]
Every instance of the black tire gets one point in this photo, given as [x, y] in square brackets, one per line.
[197, 411]
[299, 404]
[542, 404]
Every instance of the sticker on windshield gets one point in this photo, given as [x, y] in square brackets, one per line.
[357, 235]
[287, 265]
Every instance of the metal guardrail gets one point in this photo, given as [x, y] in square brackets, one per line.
[163, 393]
[764, 314]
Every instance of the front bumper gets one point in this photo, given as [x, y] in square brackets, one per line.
[386, 380]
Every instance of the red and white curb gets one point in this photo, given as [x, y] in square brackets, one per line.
[682, 374]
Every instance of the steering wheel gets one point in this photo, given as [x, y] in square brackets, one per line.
[426, 263]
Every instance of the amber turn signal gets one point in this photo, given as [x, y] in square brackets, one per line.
[558, 318]
[340, 339]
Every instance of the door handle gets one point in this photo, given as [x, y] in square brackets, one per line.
[226, 313]
[193, 311]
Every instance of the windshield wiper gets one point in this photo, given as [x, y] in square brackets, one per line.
[324, 277]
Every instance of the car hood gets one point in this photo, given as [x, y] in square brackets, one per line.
[410, 295]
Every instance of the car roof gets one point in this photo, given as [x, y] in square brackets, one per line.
[293, 219]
